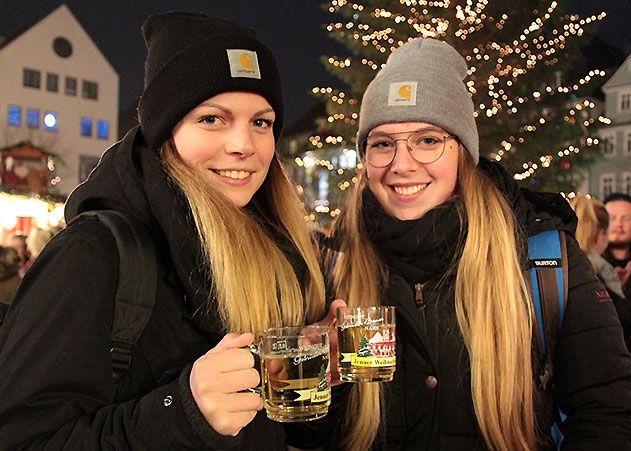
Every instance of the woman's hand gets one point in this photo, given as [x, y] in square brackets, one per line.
[218, 381]
[331, 321]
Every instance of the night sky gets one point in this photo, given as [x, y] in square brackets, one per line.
[293, 29]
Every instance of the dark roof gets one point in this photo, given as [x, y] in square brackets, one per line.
[27, 144]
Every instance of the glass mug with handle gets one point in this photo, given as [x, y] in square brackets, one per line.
[294, 372]
[367, 345]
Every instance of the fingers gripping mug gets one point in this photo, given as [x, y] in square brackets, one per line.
[367, 345]
[294, 368]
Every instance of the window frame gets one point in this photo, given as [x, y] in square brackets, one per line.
[46, 128]
[30, 114]
[67, 90]
[89, 89]
[86, 126]
[52, 82]
[12, 110]
[31, 78]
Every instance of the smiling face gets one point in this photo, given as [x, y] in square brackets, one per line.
[407, 189]
[229, 140]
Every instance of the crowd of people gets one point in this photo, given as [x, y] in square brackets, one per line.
[432, 227]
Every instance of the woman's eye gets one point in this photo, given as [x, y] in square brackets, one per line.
[263, 123]
[428, 140]
[210, 120]
[383, 144]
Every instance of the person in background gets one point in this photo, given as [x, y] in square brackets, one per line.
[618, 252]
[18, 242]
[592, 237]
[438, 231]
[37, 239]
[9, 278]
[234, 257]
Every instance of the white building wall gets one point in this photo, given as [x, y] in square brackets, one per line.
[34, 49]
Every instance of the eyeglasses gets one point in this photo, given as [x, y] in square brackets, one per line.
[425, 146]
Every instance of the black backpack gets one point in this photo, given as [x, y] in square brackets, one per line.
[136, 290]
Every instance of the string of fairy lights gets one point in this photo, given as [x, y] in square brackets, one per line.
[495, 70]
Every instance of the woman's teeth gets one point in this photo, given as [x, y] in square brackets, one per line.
[409, 190]
[238, 175]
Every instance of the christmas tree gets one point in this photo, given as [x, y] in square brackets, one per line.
[364, 348]
[523, 57]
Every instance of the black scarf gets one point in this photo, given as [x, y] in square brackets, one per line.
[416, 249]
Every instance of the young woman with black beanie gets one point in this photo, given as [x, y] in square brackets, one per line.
[233, 257]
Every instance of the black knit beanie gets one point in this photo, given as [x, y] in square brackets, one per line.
[192, 57]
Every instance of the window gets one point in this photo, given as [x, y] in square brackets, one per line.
[31, 78]
[86, 164]
[51, 121]
[627, 147]
[607, 184]
[85, 126]
[62, 47]
[32, 118]
[103, 129]
[610, 145]
[14, 115]
[52, 82]
[626, 183]
[71, 86]
[90, 89]
[625, 102]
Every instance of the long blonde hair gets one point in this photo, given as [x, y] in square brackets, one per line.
[493, 310]
[592, 217]
[253, 280]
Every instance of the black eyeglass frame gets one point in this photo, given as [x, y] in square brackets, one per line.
[411, 133]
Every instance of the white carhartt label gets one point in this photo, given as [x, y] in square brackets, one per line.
[243, 63]
[402, 93]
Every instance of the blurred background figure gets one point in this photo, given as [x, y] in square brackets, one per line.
[592, 234]
[619, 251]
[9, 278]
[18, 242]
[37, 239]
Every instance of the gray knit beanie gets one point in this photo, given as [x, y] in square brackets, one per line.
[421, 82]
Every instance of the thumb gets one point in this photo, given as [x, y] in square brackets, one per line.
[231, 341]
[331, 316]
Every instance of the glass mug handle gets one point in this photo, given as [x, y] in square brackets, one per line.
[256, 353]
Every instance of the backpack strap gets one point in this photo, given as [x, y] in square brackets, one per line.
[547, 253]
[136, 289]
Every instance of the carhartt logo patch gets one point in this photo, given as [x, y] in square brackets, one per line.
[402, 93]
[243, 63]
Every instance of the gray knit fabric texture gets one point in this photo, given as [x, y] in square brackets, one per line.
[423, 81]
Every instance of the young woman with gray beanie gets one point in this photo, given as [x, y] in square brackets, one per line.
[234, 256]
[439, 232]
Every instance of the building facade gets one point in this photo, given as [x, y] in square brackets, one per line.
[60, 93]
[613, 173]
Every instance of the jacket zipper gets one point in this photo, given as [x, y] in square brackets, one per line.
[418, 295]
[420, 302]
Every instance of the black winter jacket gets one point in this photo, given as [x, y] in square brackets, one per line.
[55, 366]
[429, 406]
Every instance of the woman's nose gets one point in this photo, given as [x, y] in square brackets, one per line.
[239, 141]
[403, 160]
